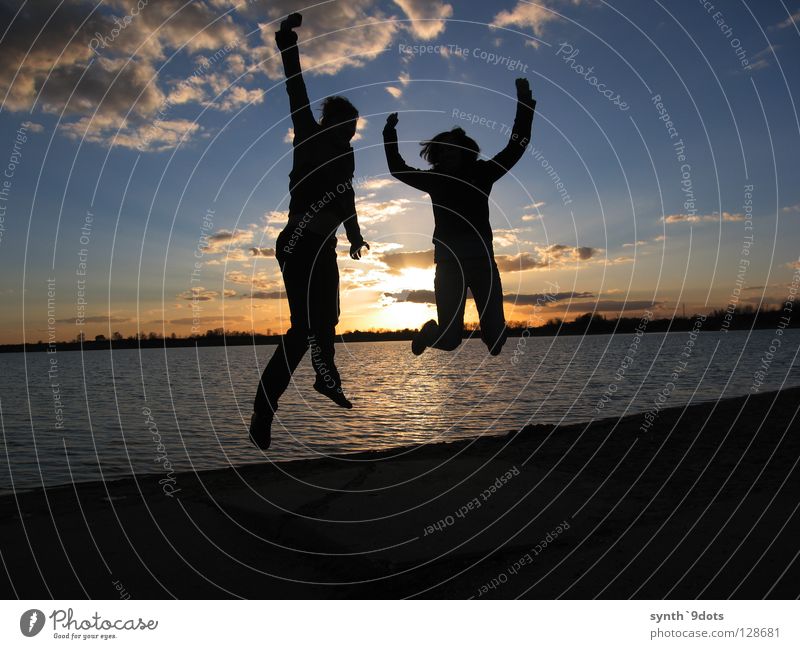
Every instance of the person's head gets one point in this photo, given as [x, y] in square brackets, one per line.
[340, 116]
[450, 150]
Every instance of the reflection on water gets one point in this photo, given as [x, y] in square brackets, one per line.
[117, 406]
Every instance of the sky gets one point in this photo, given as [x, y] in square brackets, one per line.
[146, 151]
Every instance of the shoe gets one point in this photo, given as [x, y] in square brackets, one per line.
[419, 343]
[334, 394]
[261, 429]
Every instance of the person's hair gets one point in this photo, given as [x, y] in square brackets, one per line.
[337, 109]
[457, 137]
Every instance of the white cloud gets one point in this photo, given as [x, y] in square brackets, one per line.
[362, 124]
[376, 183]
[198, 294]
[53, 55]
[333, 36]
[428, 16]
[790, 21]
[526, 14]
[374, 212]
[701, 218]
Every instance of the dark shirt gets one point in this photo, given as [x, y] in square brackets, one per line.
[461, 201]
[322, 168]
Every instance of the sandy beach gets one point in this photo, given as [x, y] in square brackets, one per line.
[702, 504]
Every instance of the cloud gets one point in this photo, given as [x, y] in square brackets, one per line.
[374, 184]
[73, 58]
[614, 305]
[197, 294]
[334, 36]
[526, 14]
[553, 256]
[789, 22]
[685, 218]
[262, 252]
[762, 59]
[375, 212]
[112, 319]
[155, 136]
[531, 217]
[235, 97]
[423, 296]
[541, 299]
[634, 244]
[23, 73]
[209, 319]
[518, 263]
[701, 218]
[274, 216]
[416, 296]
[267, 295]
[791, 209]
[559, 251]
[727, 216]
[361, 124]
[428, 16]
[394, 91]
[535, 205]
[260, 281]
[506, 237]
[226, 241]
[397, 261]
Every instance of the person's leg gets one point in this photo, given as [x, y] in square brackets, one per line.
[292, 347]
[450, 288]
[487, 290]
[323, 310]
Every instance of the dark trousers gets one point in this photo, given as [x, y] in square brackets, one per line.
[311, 278]
[481, 277]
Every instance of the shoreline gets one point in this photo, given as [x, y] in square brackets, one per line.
[710, 479]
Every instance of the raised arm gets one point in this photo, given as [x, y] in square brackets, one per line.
[520, 133]
[397, 166]
[302, 117]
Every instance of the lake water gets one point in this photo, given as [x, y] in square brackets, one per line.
[200, 400]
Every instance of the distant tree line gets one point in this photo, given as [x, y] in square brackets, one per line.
[740, 318]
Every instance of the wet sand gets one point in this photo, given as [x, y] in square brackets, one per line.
[703, 504]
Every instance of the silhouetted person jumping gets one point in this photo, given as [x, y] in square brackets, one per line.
[459, 186]
[322, 198]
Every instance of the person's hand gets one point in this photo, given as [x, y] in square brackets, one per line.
[292, 21]
[285, 38]
[391, 122]
[355, 249]
[524, 92]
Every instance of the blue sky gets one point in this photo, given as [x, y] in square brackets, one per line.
[183, 111]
